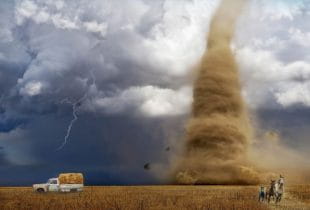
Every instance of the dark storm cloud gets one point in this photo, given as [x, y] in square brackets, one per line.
[3, 160]
[106, 149]
[100, 66]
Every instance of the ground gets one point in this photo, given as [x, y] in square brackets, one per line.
[153, 197]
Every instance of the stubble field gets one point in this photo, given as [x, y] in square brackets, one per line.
[153, 197]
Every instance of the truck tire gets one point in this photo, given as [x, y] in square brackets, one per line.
[40, 190]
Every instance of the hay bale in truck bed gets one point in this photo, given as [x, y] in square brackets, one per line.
[71, 178]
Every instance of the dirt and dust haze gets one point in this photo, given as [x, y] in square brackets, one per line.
[218, 133]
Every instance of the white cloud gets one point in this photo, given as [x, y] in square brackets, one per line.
[63, 22]
[95, 27]
[300, 37]
[25, 9]
[294, 93]
[41, 17]
[166, 102]
[280, 9]
[265, 76]
[272, 54]
[32, 88]
[59, 4]
[179, 40]
[62, 19]
[148, 100]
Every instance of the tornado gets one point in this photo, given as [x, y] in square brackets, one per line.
[218, 132]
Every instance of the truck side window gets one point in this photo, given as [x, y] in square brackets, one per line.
[53, 182]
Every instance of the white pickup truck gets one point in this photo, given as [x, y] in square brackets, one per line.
[64, 183]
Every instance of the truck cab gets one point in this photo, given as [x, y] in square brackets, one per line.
[53, 185]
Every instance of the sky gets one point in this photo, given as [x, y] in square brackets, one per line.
[104, 87]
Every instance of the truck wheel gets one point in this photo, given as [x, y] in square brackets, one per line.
[40, 190]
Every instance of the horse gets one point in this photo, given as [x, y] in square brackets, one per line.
[280, 190]
[272, 191]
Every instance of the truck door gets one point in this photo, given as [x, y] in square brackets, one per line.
[53, 185]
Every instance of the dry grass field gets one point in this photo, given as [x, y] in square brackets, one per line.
[153, 197]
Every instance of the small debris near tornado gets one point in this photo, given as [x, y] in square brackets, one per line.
[78, 104]
[147, 166]
[167, 149]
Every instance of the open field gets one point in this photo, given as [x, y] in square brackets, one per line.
[153, 197]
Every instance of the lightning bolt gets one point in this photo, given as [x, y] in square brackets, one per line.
[75, 107]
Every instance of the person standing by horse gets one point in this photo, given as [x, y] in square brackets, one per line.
[262, 194]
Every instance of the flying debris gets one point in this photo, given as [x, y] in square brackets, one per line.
[78, 104]
[167, 149]
[147, 166]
